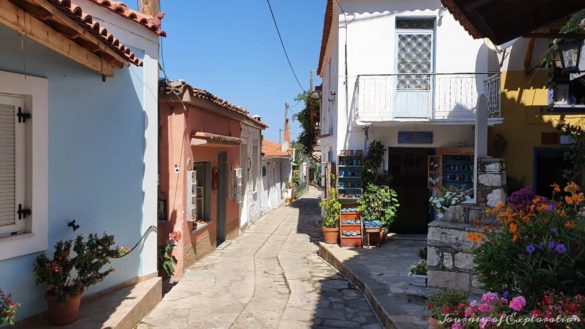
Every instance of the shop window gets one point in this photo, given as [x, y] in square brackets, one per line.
[567, 92]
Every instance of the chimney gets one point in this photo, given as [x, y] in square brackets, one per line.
[149, 7]
[286, 126]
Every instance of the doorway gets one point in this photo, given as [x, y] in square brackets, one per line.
[222, 198]
[548, 169]
[408, 166]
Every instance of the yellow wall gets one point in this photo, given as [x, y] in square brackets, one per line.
[524, 108]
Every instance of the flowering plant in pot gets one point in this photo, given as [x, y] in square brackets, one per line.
[442, 302]
[8, 309]
[68, 276]
[443, 198]
[330, 222]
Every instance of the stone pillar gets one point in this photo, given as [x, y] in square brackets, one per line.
[450, 252]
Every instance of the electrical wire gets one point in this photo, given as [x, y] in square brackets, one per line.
[283, 47]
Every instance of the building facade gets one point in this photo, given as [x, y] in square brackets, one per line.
[405, 73]
[86, 152]
[201, 169]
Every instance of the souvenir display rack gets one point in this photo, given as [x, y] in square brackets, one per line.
[452, 167]
[349, 191]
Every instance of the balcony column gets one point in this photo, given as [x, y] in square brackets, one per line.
[481, 135]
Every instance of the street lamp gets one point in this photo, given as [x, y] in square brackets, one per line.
[570, 51]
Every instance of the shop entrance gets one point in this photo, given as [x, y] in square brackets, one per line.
[408, 166]
[548, 168]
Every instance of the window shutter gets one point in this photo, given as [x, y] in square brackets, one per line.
[191, 195]
[12, 165]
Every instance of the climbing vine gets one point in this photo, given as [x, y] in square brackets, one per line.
[372, 162]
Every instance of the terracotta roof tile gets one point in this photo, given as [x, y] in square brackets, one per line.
[178, 87]
[327, 21]
[272, 149]
[75, 13]
[149, 22]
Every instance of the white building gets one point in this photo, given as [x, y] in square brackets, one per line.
[407, 74]
[250, 161]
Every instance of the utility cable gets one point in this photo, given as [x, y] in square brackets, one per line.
[283, 47]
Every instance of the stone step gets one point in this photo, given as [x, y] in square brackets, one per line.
[119, 309]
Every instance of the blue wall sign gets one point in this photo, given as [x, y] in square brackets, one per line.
[415, 137]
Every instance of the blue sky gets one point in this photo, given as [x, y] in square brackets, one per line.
[230, 48]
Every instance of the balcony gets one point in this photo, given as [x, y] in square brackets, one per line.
[437, 98]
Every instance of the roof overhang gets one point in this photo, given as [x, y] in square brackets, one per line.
[209, 139]
[502, 21]
[64, 27]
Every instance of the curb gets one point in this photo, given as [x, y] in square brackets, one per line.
[346, 272]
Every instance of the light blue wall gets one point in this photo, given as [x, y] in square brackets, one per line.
[96, 159]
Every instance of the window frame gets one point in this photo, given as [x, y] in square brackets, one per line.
[34, 91]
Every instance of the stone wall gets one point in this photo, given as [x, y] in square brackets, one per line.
[450, 252]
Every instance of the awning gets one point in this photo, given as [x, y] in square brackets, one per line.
[208, 139]
[502, 21]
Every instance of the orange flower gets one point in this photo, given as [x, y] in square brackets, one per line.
[572, 188]
[569, 200]
[515, 237]
[543, 207]
[556, 188]
[570, 224]
[578, 198]
[474, 237]
[513, 228]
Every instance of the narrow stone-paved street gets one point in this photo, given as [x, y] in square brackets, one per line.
[270, 277]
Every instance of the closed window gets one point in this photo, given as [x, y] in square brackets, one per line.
[13, 125]
[415, 53]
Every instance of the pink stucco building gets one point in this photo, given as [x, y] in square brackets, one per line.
[199, 165]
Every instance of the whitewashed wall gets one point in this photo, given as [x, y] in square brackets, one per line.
[250, 208]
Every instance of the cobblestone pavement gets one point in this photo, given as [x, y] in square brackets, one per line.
[269, 277]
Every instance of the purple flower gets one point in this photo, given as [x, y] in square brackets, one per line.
[550, 208]
[530, 249]
[560, 248]
[489, 297]
[522, 197]
[551, 245]
[554, 230]
[506, 294]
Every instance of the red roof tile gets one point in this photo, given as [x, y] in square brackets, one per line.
[271, 149]
[75, 13]
[178, 87]
[149, 22]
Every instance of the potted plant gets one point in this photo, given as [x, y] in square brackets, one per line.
[68, 276]
[444, 198]
[419, 273]
[379, 203]
[442, 303]
[330, 222]
[8, 309]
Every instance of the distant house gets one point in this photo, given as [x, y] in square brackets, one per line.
[209, 155]
[276, 172]
[78, 134]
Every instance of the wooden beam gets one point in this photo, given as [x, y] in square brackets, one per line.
[79, 32]
[539, 35]
[33, 28]
[528, 56]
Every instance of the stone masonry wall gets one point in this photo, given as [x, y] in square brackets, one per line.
[450, 252]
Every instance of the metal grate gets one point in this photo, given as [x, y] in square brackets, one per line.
[414, 59]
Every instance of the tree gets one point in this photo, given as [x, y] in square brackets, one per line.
[307, 118]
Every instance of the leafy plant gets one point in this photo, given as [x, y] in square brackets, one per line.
[309, 133]
[420, 268]
[537, 246]
[445, 300]
[68, 276]
[166, 259]
[379, 203]
[332, 208]
[574, 156]
[372, 162]
[8, 309]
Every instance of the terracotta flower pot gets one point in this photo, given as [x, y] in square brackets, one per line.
[62, 314]
[434, 323]
[330, 234]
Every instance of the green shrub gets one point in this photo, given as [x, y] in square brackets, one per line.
[332, 208]
[379, 203]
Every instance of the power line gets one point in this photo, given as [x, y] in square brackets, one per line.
[283, 47]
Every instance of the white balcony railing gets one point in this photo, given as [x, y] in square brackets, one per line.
[422, 97]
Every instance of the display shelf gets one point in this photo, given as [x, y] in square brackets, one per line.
[451, 167]
[349, 165]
